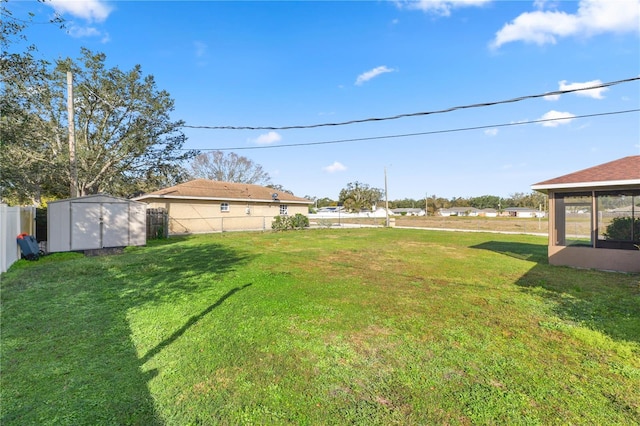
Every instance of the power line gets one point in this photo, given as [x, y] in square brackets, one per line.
[432, 132]
[416, 114]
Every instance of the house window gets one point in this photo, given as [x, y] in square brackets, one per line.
[283, 210]
[618, 219]
[224, 207]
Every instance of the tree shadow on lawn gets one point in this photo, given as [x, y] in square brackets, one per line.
[67, 353]
[191, 322]
[605, 301]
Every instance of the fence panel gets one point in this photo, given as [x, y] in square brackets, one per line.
[157, 223]
[13, 222]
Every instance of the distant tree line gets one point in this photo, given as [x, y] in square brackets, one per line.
[357, 196]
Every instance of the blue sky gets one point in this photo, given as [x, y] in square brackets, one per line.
[276, 64]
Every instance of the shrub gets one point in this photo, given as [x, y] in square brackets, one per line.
[620, 229]
[280, 223]
[283, 223]
[299, 221]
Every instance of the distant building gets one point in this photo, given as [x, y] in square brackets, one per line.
[488, 213]
[408, 212]
[459, 211]
[523, 212]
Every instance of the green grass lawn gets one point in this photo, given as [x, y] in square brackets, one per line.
[319, 327]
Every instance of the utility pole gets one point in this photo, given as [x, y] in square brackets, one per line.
[72, 138]
[426, 204]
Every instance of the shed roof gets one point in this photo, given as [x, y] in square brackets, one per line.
[622, 172]
[95, 198]
[224, 191]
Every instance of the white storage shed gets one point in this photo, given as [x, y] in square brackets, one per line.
[95, 222]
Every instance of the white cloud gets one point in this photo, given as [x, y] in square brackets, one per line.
[593, 17]
[590, 93]
[438, 7]
[335, 167]
[556, 118]
[200, 49]
[539, 4]
[491, 132]
[82, 32]
[89, 10]
[267, 138]
[546, 4]
[368, 75]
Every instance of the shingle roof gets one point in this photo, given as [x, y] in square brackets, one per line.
[618, 172]
[209, 189]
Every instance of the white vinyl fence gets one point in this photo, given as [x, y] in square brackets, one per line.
[13, 222]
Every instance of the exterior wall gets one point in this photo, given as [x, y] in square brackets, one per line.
[595, 258]
[203, 216]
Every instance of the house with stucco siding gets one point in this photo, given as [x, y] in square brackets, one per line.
[205, 206]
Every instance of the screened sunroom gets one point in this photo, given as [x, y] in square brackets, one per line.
[594, 216]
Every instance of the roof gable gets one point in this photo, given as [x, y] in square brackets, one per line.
[210, 189]
[623, 171]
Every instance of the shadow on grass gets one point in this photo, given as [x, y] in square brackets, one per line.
[604, 301]
[193, 320]
[523, 251]
[67, 356]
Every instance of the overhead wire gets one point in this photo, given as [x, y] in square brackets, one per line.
[423, 113]
[431, 132]
[405, 135]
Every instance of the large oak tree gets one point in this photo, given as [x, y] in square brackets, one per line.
[357, 196]
[126, 140]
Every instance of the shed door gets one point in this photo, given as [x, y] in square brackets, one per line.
[115, 224]
[85, 226]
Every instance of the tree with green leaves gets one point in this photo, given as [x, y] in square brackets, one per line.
[357, 196]
[125, 139]
[485, 202]
[520, 199]
[23, 177]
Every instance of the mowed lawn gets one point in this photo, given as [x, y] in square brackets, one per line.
[319, 327]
